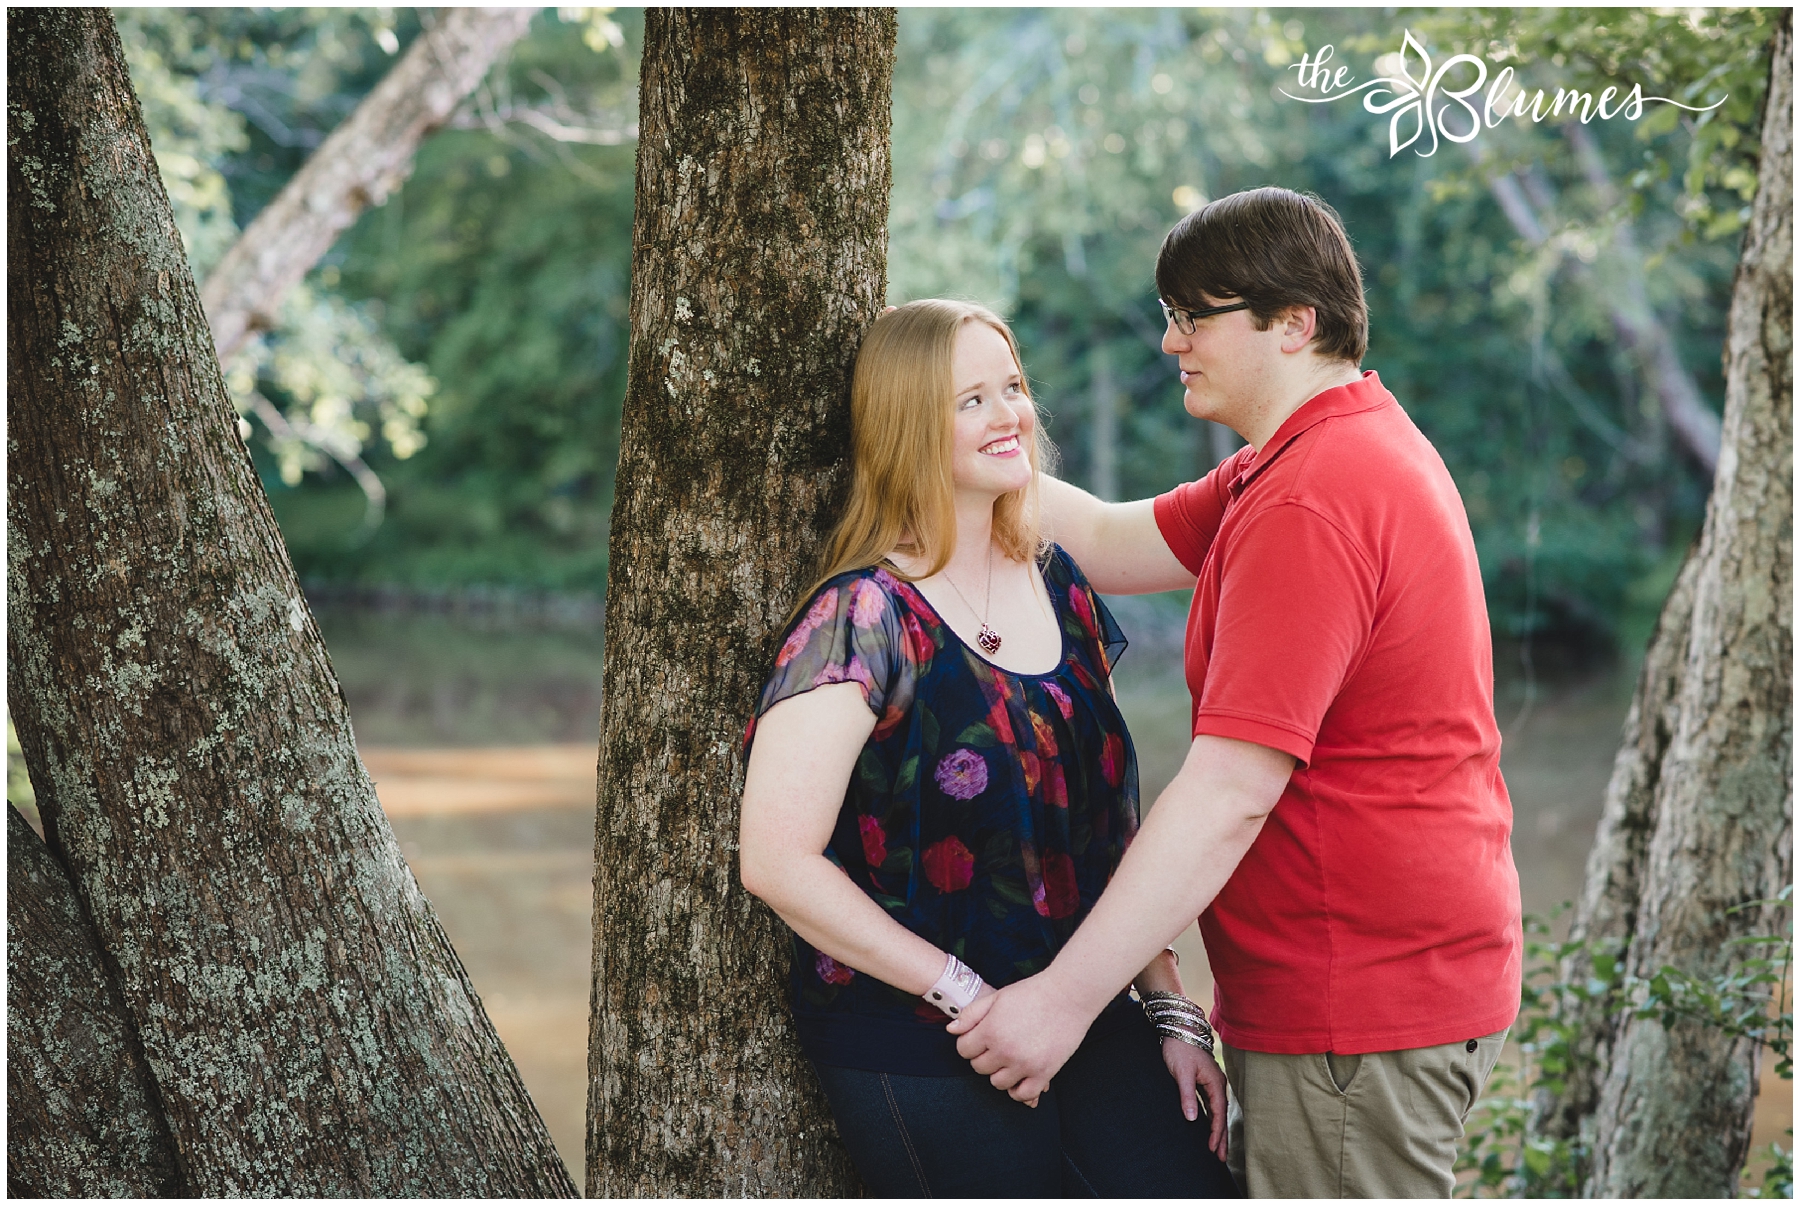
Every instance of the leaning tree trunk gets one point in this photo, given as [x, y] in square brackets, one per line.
[82, 1120]
[306, 1024]
[759, 258]
[364, 159]
[1699, 813]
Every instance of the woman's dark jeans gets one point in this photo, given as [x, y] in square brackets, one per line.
[1109, 1126]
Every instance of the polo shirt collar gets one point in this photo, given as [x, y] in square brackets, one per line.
[1354, 398]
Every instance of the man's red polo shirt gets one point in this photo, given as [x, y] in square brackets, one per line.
[1339, 617]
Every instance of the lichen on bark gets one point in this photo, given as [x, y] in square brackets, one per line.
[307, 1026]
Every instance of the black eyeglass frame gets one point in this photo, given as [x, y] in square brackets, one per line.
[1184, 320]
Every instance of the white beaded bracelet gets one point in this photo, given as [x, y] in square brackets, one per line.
[957, 986]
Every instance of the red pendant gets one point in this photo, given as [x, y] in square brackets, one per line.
[988, 639]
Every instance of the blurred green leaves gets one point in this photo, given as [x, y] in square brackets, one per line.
[1039, 157]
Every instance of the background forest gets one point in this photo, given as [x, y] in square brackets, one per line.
[457, 359]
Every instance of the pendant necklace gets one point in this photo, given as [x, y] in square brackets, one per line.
[987, 638]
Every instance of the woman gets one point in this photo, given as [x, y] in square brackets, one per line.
[938, 788]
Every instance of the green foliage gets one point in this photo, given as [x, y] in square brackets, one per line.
[503, 266]
[1039, 157]
[1053, 149]
[1691, 55]
[1502, 1157]
[327, 380]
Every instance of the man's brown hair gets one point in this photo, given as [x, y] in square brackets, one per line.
[1274, 248]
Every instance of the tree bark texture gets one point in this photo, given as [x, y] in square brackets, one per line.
[759, 259]
[359, 165]
[307, 1025]
[82, 1119]
[1699, 813]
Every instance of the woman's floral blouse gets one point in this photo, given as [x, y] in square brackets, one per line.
[986, 812]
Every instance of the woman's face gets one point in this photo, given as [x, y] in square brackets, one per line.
[994, 416]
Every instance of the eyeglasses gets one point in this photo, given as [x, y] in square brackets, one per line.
[1184, 320]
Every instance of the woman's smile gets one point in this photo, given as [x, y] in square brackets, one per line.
[1006, 446]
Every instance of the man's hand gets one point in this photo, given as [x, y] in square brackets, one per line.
[1193, 1067]
[1021, 1037]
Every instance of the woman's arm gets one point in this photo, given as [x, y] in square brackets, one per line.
[1190, 1066]
[804, 752]
[1117, 545]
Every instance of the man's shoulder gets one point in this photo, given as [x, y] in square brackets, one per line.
[1361, 456]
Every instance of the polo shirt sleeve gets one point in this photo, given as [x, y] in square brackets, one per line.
[1188, 516]
[1296, 609]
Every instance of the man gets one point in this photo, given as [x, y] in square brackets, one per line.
[1339, 825]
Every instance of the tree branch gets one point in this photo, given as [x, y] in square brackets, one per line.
[363, 161]
[1638, 328]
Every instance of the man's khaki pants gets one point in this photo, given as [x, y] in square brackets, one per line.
[1386, 1125]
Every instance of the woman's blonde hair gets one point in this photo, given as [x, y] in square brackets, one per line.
[902, 400]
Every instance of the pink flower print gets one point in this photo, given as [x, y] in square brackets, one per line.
[949, 865]
[874, 841]
[919, 647]
[795, 643]
[1061, 697]
[1057, 896]
[1045, 735]
[823, 608]
[1112, 759]
[867, 603]
[830, 970]
[855, 672]
[963, 774]
[1056, 788]
[1084, 611]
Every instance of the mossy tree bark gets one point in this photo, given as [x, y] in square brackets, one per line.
[759, 258]
[306, 1025]
[1699, 813]
[82, 1120]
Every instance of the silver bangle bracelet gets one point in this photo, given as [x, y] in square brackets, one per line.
[1205, 1043]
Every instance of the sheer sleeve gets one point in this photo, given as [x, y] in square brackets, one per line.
[1090, 620]
[850, 632]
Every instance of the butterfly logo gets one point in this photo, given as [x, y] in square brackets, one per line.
[1413, 96]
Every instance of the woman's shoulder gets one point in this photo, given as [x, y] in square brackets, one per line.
[864, 591]
[1086, 612]
[1060, 569]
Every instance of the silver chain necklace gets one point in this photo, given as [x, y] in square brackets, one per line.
[987, 638]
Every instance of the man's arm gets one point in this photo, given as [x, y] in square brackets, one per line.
[1117, 545]
[1199, 830]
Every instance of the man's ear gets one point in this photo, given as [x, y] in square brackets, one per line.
[1298, 326]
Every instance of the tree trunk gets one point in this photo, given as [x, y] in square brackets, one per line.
[1699, 813]
[759, 259]
[363, 160]
[82, 1120]
[307, 1025]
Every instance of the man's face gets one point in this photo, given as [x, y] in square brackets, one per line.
[1226, 364]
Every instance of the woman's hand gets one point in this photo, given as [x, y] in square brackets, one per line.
[978, 1009]
[1193, 1069]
